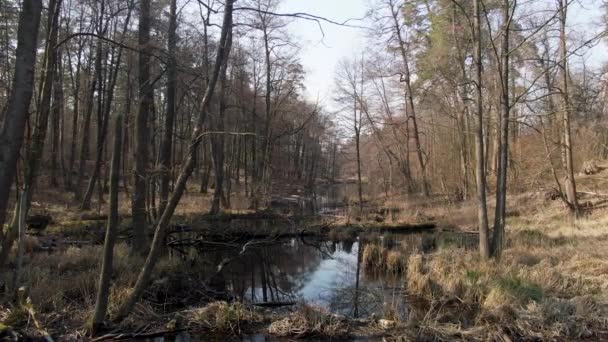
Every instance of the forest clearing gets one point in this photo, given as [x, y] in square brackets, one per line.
[272, 170]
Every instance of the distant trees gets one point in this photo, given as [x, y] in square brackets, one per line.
[222, 54]
[480, 94]
[350, 87]
[98, 65]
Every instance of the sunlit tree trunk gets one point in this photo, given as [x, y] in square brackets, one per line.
[570, 183]
[503, 156]
[482, 210]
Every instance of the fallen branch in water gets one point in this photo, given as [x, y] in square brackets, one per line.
[128, 336]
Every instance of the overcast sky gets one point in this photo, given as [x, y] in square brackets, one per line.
[320, 55]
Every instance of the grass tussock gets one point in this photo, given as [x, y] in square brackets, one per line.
[377, 259]
[223, 317]
[372, 256]
[308, 321]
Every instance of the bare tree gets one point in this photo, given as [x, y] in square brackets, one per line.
[350, 84]
[104, 104]
[35, 151]
[570, 183]
[503, 152]
[103, 289]
[396, 12]
[167, 143]
[159, 232]
[13, 128]
[482, 209]
[142, 141]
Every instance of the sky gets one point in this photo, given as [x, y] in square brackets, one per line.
[320, 54]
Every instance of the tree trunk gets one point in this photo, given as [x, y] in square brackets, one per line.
[218, 138]
[86, 126]
[21, 246]
[104, 119]
[101, 133]
[34, 154]
[103, 290]
[145, 274]
[57, 113]
[503, 155]
[17, 112]
[410, 101]
[165, 150]
[482, 209]
[138, 207]
[570, 183]
[76, 112]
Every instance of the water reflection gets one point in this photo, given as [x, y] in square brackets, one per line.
[325, 200]
[324, 273]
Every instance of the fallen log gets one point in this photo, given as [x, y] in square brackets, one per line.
[274, 304]
[404, 228]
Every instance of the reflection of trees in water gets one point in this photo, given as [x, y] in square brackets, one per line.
[361, 302]
[285, 270]
[273, 272]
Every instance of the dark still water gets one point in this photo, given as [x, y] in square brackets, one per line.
[328, 274]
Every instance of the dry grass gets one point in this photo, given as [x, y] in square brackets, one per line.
[308, 321]
[395, 262]
[372, 257]
[69, 278]
[385, 256]
[222, 317]
[63, 285]
[551, 283]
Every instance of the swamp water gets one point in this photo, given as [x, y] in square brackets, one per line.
[321, 273]
[333, 275]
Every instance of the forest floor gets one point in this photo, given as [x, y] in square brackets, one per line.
[550, 284]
